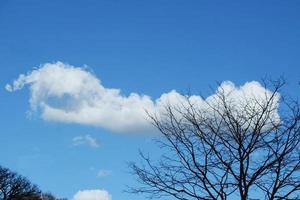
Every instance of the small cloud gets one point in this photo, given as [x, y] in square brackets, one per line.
[8, 88]
[92, 168]
[92, 195]
[103, 173]
[85, 140]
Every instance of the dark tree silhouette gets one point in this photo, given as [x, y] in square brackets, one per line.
[16, 187]
[47, 196]
[226, 149]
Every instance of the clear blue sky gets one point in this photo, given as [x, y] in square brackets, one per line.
[148, 47]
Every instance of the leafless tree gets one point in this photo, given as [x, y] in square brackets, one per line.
[47, 196]
[226, 149]
[16, 187]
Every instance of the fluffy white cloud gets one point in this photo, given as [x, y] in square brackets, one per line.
[246, 102]
[92, 195]
[85, 140]
[60, 92]
[64, 93]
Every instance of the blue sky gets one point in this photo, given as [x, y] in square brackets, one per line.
[147, 47]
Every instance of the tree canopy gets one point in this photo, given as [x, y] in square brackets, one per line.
[17, 187]
[229, 146]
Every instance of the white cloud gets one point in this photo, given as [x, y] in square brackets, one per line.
[85, 140]
[103, 173]
[92, 195]
[64, 93]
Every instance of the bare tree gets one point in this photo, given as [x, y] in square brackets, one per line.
[16, 187]
[47, 196]
[226, 148]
